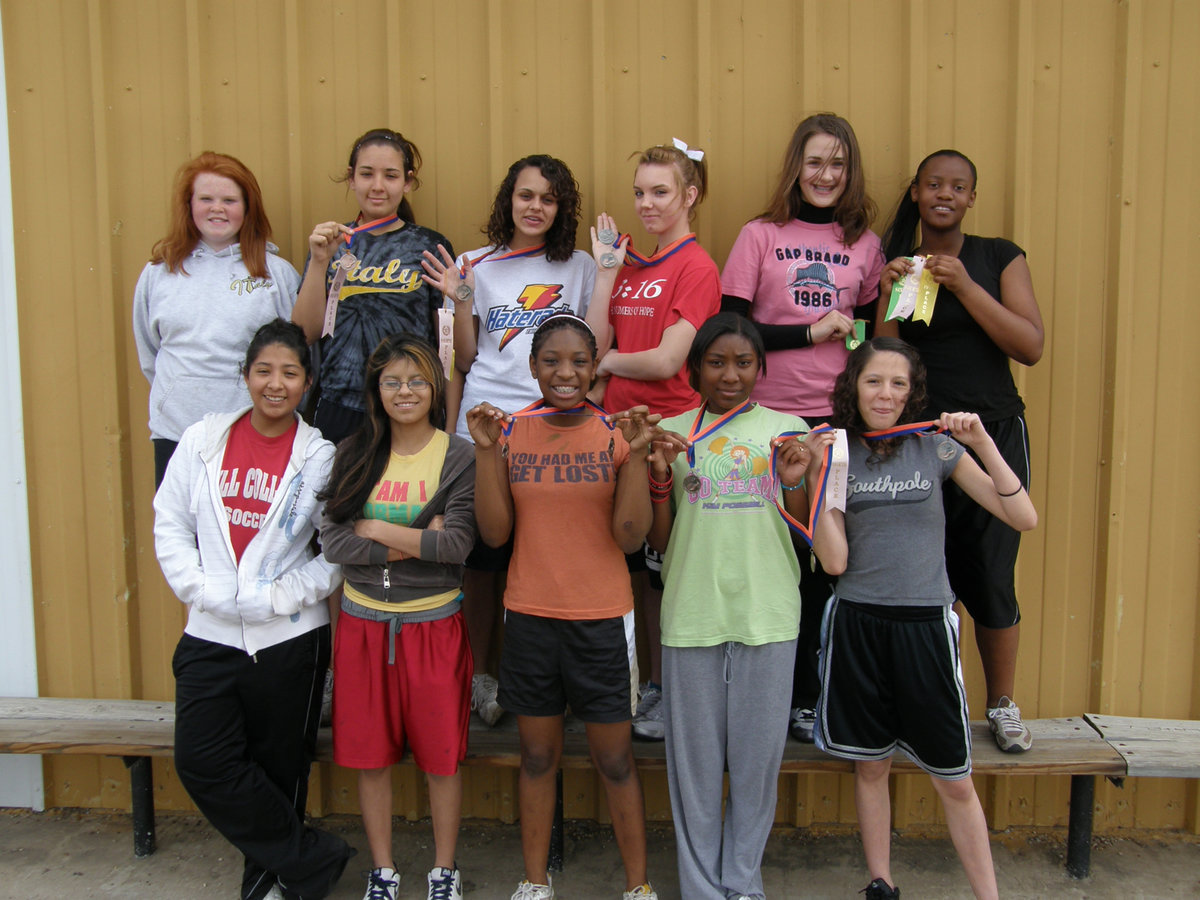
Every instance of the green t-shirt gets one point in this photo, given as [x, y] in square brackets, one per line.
[730, 571]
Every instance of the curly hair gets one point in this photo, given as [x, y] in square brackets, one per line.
[844, 396]
[854, 210]
[182, 233]
[362, 457]
[560, 239]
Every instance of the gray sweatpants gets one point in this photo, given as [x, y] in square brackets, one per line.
[724, 705]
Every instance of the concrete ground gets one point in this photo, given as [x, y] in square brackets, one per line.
[66, 853]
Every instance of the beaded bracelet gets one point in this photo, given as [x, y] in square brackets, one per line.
[795, 487]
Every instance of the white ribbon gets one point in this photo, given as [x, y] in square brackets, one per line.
[694, 155]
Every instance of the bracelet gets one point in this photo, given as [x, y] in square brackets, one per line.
[663, 499]
[795, 487]
[1020, 487]
[662, 485]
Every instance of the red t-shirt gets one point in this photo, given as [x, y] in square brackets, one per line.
[251, 472]
[646, 301]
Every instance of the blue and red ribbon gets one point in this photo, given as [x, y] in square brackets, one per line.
[806, 529]
[540, 408]
[659, 257]
[369, 227]
[511, 254]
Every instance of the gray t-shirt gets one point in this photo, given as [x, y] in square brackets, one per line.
[896, 526]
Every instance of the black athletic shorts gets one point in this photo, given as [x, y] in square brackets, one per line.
[890, 677]
[588, 664]
[981, 551]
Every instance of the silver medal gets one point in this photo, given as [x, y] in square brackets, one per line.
[463, 291]
[608, 260]
[691, 483]
[607, 236]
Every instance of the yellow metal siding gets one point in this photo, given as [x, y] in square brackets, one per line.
[1083, 118]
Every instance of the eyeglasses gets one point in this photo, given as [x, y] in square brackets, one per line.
[391, 385]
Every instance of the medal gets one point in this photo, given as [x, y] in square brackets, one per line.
[607, 236]
[612, 448]
[463, 292]
[608, 260]
[341, 269]
[691, 483]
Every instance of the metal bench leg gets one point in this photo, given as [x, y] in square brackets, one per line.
[1079, 826]
[554, 862]
[141, 787]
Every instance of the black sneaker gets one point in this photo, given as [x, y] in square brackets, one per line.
[801, 723]
[881, 890]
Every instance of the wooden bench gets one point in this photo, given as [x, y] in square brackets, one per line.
[1079, 747]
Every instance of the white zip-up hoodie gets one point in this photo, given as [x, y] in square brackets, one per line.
[277, 592]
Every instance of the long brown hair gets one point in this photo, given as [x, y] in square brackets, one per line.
[362, 457]
[182, 233]
[854, 210]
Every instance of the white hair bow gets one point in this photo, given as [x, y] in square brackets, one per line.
[694, 155]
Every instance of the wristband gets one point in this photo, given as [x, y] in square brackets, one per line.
[1020, 487]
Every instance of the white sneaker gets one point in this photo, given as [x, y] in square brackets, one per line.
[483, 699]
[641, 892]
[275, 893]
[648, 721]
[1007, 728]
[382, 884]
[445, 884]
[528, 891]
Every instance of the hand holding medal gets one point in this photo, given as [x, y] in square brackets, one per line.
[608, 247]
[486, 423]
[324, 241]
[792, 461]
[444, 275]
[639, 426]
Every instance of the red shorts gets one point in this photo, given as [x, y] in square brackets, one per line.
[422, 700]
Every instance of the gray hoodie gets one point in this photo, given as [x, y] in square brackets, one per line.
[192, 331]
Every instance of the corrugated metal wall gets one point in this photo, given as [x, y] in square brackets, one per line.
[1083, 118]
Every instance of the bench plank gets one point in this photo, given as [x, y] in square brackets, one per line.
[1152, 748]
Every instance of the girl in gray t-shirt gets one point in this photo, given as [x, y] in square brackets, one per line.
[890, 673]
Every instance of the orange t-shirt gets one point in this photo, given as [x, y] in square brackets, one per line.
[566, 563]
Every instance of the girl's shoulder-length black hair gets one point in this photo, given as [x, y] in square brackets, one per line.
[844, 395]
[560, 239]
[362, 457]
[718, 326]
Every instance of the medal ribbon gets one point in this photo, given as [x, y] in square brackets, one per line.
[660, 256]
[511, 254]
[369, 226]
[805, 529]
[540, 408]
[698, 434]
